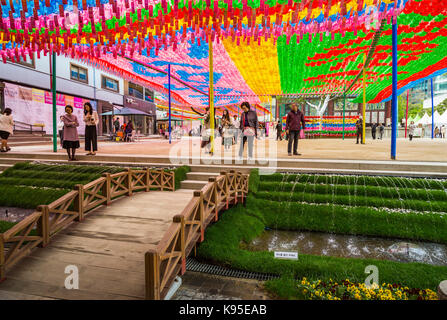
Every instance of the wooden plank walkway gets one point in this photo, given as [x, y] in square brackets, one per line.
[108, 249]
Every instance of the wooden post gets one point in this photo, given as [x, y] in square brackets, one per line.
[2, 259]
[129, 181]
[106, 188]
[214, 197]
[152, 275]
[43, 225]
[234, 185]
[148, 182]
[79, 202]
[180, 245]
[223, 173]
[202, 226]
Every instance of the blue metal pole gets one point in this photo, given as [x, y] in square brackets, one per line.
[432, 111]
[394, 95]
[169, 89]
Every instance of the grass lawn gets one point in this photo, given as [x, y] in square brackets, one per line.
[273, 203]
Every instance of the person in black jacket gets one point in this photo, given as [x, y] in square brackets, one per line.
[278, 131]
[295, 118]
[249, 125]
[373, 130]
[359, 127]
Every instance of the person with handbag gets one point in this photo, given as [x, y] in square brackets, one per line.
[206, 129]
[71, 137]
[91, 120]
[249, 125]
[295, 118]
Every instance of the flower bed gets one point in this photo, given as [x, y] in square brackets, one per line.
[347, 290]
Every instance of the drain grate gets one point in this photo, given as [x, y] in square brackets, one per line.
[196, 266]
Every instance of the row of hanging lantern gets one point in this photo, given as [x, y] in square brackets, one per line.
[123, 26]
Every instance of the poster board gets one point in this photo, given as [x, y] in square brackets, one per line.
[35, 106]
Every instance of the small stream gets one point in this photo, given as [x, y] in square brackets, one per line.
[349, 246]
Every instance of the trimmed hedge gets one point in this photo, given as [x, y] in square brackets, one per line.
[350, 220]
[253, 181]
[359, 190]
[222, 245]
[392, 182]
[65, 168]
[5, 225]
[364, 201]
[180, 175]
[52, 175]
[48, 183]
[28, 197]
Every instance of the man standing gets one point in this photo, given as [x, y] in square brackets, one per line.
[373, 130]
[278, 131]
[116, 124]
[359, 127]
[381, 130]
[293, 125]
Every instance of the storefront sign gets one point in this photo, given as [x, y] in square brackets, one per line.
[141, 105]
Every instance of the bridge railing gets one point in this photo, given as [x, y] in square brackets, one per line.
[37, 229]
[168, 259]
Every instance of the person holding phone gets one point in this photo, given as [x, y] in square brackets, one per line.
[71, 138]
[91, 120]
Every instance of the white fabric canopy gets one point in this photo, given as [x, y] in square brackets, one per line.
[424, 120]
[443, 118]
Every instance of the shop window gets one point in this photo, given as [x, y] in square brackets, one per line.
[78, 73]
[109, 84]
[27, 62]
[136, 90]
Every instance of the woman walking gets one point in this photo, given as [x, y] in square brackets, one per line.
[6, 129]
[249, 126]
[60, 130]
[71, 138]
[411, 128]
[91, 138]
[128, 131]
[206, 129]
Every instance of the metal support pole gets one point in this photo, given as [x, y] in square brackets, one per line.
[211, 94]
[406, 115]
[364, 100]
[53, 75]
[169, 98]
[432, 111]
[394, 94]
[344, 108]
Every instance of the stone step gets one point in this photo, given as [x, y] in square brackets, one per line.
[359, 165]
[3, 167]
[198, 170]
[192, 184]
[201, 176]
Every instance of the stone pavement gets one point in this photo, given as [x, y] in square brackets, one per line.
[201, 286]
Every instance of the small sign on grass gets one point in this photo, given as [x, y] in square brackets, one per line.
[292, 255]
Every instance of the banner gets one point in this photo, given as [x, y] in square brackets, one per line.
[35, 106]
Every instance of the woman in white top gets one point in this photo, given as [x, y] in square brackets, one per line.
[91, 138]
[6, 129]
[60, 129]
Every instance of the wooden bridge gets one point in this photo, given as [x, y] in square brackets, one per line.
[122, 247]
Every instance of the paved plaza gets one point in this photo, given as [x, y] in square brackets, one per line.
[417, 150]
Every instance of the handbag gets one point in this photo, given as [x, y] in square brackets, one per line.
[249, 131]
[302, 134]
